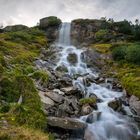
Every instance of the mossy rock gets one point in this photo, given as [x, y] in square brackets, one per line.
[90, 101]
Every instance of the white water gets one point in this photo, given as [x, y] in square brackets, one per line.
[111, 125]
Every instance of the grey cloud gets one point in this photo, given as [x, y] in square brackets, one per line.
[29, 12]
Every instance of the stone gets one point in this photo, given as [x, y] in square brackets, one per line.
[54, 96]
[62, 68]
[66, 123]
[86, 109]
[45, 99]
[72, 58]
[116, 105]
[134, 103]
[59, 92]
[89, 135]
[70, 90]
[93, 117]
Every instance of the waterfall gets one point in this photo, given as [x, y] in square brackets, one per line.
[64, 34]
[111, 125]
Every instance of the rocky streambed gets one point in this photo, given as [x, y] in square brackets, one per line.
[79, 102]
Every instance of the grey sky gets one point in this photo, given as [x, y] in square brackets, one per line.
[29, 12]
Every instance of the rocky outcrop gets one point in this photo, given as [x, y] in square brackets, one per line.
[83, 30]
[51, 26]
[87, 31]
[15, 28]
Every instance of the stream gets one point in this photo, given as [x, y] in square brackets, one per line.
[111, 125]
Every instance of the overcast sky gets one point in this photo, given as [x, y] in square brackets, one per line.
[29, 12]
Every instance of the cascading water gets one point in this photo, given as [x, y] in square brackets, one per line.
[111, 125]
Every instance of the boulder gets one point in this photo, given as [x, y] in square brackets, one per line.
[45, 99]
[134, 103]
[66, 123]
[116, 105]
[70, 90]
[54, 96]
[93, 117]
[86, 109]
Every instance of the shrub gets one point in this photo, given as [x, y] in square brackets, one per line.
[133, 54]
[8, 91]
[119, 53]
[102, 35]
[123, 27]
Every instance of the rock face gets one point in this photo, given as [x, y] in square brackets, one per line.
[15, 28]
[84, 30]
[51, 26]
[134, 103]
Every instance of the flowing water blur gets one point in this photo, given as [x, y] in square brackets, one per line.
[111, 125]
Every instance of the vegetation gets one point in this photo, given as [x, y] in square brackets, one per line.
[88, 101]
[22, 133]
[102, 35]
[18, 50]
[130, 53]
[125, 65]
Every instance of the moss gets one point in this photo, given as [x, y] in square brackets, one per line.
[102, 48]
[87, 101]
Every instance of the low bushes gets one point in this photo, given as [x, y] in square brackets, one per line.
[130, 53]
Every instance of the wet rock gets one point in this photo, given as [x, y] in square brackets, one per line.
[65, 123]
[93, 117]
[54, 96]
[72, 58]
[116, 105]
[134, 103]
[86, 109]
[62, 68]
[89, 135]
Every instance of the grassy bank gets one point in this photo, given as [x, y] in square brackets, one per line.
[122, 63]
[18, 50]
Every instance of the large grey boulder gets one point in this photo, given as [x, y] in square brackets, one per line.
[66, 123]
